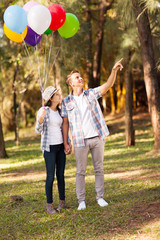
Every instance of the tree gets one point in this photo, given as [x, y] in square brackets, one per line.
[95, 52]
[3, 153]
[149, 67]
[129, 130]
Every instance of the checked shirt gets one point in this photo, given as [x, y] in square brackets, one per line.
[69, 109]
[43, 130]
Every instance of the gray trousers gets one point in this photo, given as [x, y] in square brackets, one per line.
[96, 146]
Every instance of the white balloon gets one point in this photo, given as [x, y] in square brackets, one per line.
[39, 18]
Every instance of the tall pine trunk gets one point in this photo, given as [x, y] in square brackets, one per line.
[113, 107]
[119, 94]
[16, 115]
[98, 48]
[89, 45]
[97, 55]
[129, 130]
[3, 153]
[149, 68]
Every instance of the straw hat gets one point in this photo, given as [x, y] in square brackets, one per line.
[48, 93]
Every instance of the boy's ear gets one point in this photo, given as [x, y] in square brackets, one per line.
[70, 83]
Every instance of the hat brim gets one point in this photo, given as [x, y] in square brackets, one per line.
[55, 90]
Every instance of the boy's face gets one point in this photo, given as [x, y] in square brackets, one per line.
[76, 81]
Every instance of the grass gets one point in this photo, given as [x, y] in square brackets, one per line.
[132, 188]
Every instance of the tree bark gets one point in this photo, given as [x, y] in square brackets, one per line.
[104, 104]
[119, 93]
[89, 44]
[95, 67]
[129, 130]
[134, 95]
[3, 153]
[149, 68]
[23, 113]
[16, 126]
[113, 107]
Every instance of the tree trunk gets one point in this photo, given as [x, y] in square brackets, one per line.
[134, 95]
[16, 127]
[149, 68]
[113, 107]
[119, 93]
[23, 113]
[104, 6]
[98, 47]
[104, 104]
[3, 153]
[89, 45]
[54, 76]
[129, 131]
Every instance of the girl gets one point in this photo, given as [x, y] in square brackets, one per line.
[49, 124]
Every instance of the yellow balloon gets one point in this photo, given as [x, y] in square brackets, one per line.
[16, 37]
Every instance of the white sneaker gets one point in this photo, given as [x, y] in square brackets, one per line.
[102, 202]
[82, 206]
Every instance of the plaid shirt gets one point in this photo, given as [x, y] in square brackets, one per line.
[43, 130]
[70, 110]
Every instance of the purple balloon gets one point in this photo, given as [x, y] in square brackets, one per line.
[32, 38]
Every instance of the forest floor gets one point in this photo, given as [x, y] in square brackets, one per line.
[132, 189]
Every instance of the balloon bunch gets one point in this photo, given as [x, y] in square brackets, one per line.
[30, 22]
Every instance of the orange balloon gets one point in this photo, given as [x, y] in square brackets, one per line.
[16, 37]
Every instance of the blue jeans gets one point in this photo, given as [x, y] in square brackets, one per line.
[56, 158]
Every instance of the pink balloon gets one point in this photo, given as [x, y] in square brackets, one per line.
[29, 5]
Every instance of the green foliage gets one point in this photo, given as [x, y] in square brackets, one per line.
[124, 10]
[150, 5]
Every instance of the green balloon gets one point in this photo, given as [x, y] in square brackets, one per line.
[70, 27]
[48, 31]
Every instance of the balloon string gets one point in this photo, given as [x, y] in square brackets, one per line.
[40, 57]
[39, 71]
[41, 88]
[27, 52]
[53, 64]
[54, 60]
[44, 67]
[49, 55]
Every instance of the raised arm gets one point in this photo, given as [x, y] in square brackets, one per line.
[110, 81]
[39, 122]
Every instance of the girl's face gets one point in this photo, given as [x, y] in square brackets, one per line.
[56, 99]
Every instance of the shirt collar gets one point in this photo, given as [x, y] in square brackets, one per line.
[71, 94]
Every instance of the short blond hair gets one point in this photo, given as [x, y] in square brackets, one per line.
[70, 75]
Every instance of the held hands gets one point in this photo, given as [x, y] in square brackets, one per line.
[68, 148]
[41, 115]
[118, 65]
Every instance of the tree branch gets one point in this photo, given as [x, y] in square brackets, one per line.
[103, 4]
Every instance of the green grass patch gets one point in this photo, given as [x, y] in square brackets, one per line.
[132, 189]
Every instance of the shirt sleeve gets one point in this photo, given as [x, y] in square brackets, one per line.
[96, 91]
[38, 127]
[63, 110]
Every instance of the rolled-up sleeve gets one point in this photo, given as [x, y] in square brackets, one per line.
[63, 110]
[96, 91]
[38, 127]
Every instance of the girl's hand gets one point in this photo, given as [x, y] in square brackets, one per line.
[68, 148]
[41, 115]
